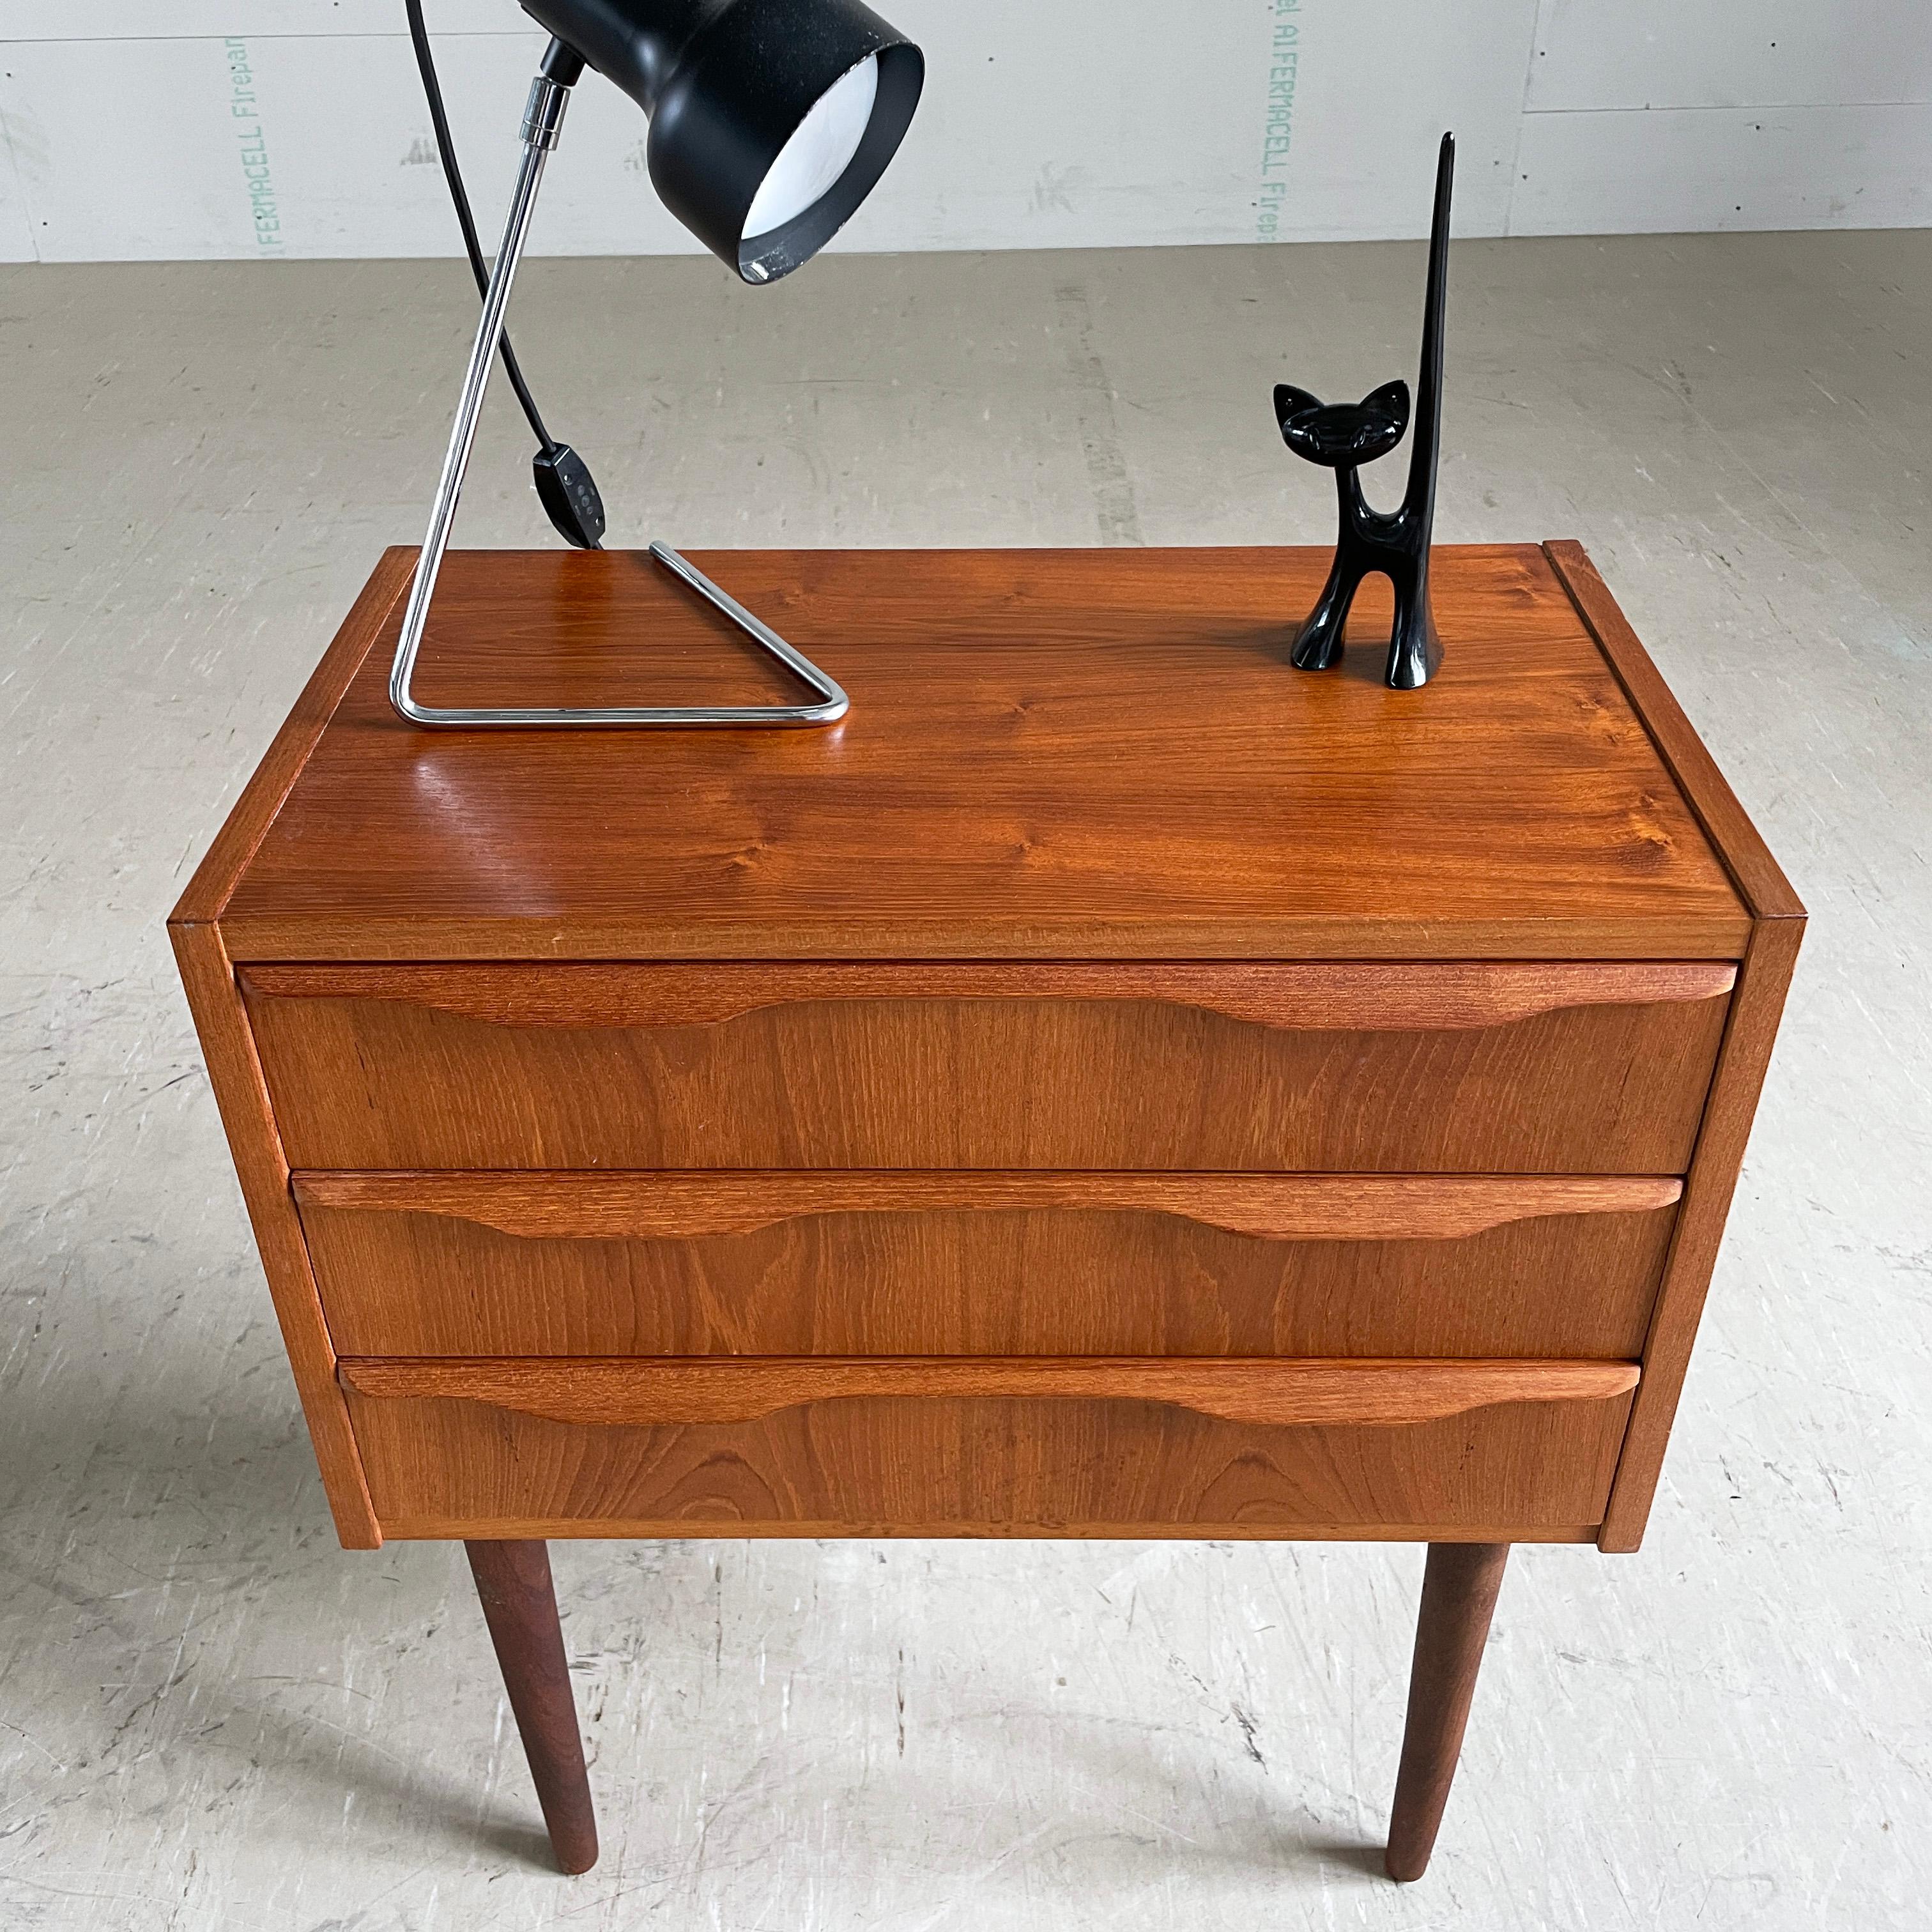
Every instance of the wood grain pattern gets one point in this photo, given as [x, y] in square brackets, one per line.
[635, 1394]
[1759, 878]
[1007, 1081]
[1058, 754]
[966, 1466]
[1778, 931]
[1327, 996]
[1090, 896]
[972, 1264]
[235, 1075]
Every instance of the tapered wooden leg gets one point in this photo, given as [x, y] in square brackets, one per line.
[513, 1582]
[1458, 1594]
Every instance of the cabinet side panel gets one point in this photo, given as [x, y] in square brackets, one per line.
[1756, 1006]
[236, 1077]
[1777, 927]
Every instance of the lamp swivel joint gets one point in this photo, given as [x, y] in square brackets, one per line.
[543, 115]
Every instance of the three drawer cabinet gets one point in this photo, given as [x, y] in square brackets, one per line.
[1112, 1085]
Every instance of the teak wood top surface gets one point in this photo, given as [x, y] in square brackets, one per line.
[1051, 755]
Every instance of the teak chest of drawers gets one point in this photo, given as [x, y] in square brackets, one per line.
[1113, 1084]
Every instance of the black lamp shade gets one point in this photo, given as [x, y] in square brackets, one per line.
[727, 84]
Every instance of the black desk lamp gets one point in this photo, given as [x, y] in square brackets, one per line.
[771, 121]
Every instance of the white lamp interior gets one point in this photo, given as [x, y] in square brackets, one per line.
[819, 151]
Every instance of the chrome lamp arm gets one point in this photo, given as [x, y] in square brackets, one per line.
[543, 120]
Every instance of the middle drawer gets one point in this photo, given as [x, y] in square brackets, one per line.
[1019, 1264]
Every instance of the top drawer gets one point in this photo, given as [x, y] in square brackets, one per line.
[1576, 1068]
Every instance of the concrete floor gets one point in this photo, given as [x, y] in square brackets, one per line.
[211, 1717]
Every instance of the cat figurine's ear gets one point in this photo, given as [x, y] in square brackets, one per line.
[1390, 402]
[1290, 402]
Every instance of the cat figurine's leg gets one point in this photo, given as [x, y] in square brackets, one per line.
[1318, 644]
[1415, 649]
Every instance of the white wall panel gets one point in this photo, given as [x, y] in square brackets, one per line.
[16, 238]
[187, 19]
[1379, 80]
[1076, 124]
[1046, 124]
[1055, 126]
[1705, 169]
[1085, 124]
[1744, 53]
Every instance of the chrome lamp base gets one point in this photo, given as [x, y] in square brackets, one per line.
[543, 119]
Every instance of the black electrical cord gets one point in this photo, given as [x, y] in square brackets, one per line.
[445, 148]
[563, 481]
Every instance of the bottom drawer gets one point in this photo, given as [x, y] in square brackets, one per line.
[1504, 1450]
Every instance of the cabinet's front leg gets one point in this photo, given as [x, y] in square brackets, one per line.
[1459, 1594]
[513, 1582]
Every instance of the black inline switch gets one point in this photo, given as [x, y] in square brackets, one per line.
[569, 495]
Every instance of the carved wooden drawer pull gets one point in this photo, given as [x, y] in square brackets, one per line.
[628, 1393]
[1339, 996]
[1295, 1207]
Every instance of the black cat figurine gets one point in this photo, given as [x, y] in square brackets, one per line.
[1341, 436]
